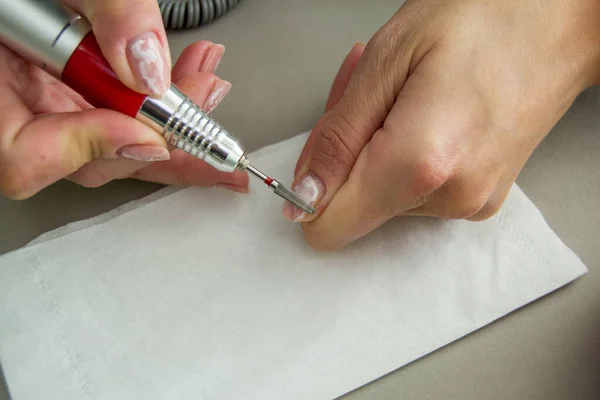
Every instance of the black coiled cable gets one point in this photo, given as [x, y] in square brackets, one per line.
[188, 14]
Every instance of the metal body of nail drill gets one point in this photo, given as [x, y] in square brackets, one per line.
[62, 43]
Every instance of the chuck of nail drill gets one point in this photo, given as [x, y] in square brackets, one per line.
[61, 42]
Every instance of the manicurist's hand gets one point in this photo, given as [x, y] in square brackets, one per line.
[48, 132]
[439, 113]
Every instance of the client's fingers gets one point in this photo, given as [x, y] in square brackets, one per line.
[335, 94]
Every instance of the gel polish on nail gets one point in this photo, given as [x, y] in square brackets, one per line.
[310, 188]
[148, 63]
[216, 96]
[140, 152]
[213, 57]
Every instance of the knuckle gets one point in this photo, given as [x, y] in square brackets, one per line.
[467, 209]
[381, 39]
[386, 38]
[429, 175]
[336, 144]
[385, 48]
[467, 203]
[489, 210]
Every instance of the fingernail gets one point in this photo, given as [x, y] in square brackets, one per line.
[218, 93]
[310, 188]
[213, 58]
[148, 62]
[232, 187]
[219, 56]
[146, 153]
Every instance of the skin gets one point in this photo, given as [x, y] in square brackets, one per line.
[435, 116]
[440, 111]
[48, 132]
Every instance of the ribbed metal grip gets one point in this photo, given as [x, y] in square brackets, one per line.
[191, 130]
[184, 125]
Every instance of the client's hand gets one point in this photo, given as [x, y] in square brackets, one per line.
[441, 112]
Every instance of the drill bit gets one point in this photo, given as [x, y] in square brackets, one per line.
[281, 190]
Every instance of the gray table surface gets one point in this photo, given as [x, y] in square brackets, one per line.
[281, 58]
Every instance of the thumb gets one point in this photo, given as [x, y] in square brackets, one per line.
[49, 148]
[338, 138]
[132, 38]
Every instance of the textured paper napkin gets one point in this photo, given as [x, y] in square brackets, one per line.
[205, 294]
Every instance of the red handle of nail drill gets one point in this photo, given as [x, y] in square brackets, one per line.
[89, 74]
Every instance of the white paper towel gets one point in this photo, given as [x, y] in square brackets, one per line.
[205, 294]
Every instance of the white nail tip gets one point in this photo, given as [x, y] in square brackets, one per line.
[148, 63]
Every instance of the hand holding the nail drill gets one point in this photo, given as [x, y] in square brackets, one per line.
[436, 116]
[439, 113]
[49, 132]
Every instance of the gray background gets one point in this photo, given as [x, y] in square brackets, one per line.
[281, 58]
